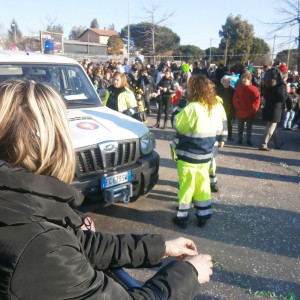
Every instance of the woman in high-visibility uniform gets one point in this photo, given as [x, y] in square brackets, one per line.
[199, 126]
[119, 97]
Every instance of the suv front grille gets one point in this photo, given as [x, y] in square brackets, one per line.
[89, 161]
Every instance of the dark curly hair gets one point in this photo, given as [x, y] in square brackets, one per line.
[201, 89]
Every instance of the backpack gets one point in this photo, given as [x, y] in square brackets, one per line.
[271, 77]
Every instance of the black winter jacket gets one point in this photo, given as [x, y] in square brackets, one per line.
[169, 84]
[275, 99]
[45, 255]
[147, 84]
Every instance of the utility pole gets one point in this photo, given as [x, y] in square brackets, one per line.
[153, 39]
[128, 35]
[14, 32]
[210, 51]
[273, 49]
[88, 52]
[226, 48]
[289, 52]
[298, 20]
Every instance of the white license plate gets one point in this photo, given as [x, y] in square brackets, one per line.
[115, 179]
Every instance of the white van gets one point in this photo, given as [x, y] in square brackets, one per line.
[115, 157]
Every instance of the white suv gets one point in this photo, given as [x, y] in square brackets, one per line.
[115, 157]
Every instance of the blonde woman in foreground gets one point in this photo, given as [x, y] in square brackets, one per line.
[44, 253]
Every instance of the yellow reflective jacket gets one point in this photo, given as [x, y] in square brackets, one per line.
[198, 131]
[125, 99]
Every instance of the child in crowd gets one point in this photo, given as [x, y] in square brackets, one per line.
[291, 107]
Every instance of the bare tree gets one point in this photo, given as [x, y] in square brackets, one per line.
[289, 11]
[52, 26]
[153, 31]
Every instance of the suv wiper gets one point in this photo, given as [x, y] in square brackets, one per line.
[83, 103]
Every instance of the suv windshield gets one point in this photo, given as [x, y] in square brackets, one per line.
[69, 80]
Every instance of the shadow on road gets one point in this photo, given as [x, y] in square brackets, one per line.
[266, 229]
[256, 174]
[260, 157]
[253, 283]
[167, 162]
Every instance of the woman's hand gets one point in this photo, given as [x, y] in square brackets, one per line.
[88, 224]
[203, 265]
[180, 248]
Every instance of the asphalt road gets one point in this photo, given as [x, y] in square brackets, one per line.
[254, 233]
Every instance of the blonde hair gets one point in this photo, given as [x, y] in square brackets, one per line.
[124, 82]
[201, 89]
[34, 129]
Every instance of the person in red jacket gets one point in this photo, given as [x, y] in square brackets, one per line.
[246, 100]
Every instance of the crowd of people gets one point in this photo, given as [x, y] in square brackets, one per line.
[40, 228]
[244, 94]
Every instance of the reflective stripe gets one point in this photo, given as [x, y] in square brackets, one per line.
[203, 212]
[193, 155]
[200, 134]
[213, 180]
[224, 132]
[184, 206]
[202, 203]
[131, 110]
[182, 214]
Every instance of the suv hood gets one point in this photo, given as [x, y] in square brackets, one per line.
[105, 124]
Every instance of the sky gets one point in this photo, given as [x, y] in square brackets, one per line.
[197, 22]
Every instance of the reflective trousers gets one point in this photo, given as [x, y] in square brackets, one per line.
[194, 187]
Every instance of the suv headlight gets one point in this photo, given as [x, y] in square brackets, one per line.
[147, 143]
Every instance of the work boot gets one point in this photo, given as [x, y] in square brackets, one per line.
[201, 222]
[156, 125]
[181, 222]
[214, 188]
